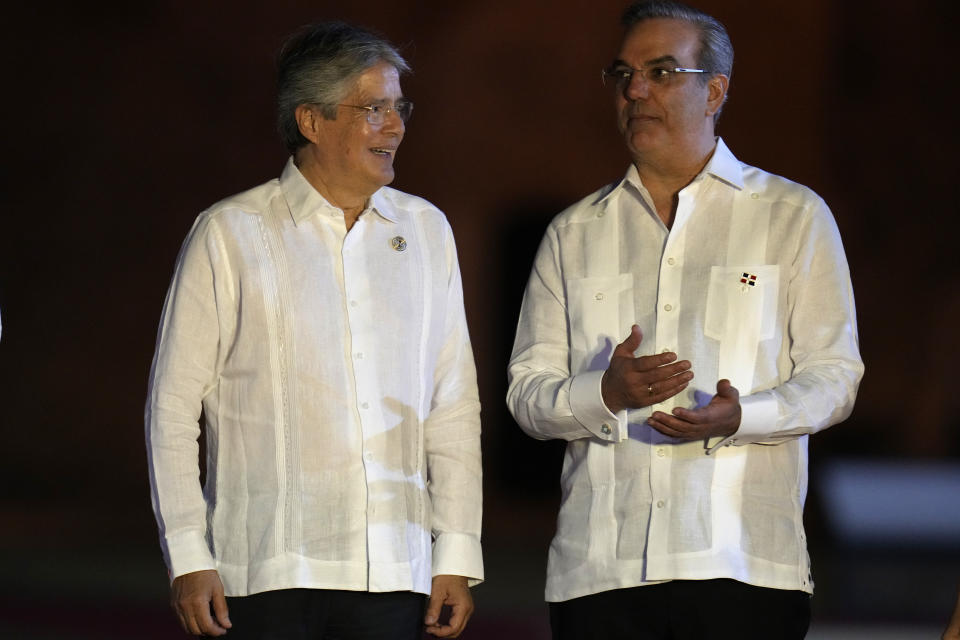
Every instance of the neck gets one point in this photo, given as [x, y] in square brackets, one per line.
[664, 177]
[351, 203]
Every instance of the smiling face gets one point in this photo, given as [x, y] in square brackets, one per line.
[670, 122]
[348, 158]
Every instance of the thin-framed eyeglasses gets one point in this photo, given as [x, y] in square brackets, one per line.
[377, 113]
[620, 75]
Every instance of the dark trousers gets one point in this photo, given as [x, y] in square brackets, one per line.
[321, 614]
[682, 609]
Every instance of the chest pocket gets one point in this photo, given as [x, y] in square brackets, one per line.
[741, 312]
[598, 309]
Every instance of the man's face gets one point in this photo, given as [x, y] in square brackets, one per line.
[354, 157]
[663, 120]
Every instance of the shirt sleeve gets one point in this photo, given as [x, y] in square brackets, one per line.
[544, 398]
[183, 372]
[452, 442]
[824, 346]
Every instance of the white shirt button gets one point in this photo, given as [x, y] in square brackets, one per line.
[668, 307]
[671, 261]
[661, 452]
[599, 296]
[359, 355]
[353, 303]
[364, 405]
[660, 504]
[601, 213]
[665, 350]
[368, 456]
[755, 196]
[605, 429]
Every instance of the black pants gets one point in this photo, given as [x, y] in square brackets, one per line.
[682, 609]
[320, 614]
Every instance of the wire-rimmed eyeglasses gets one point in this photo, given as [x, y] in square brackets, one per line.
[377, 113]
[620, 75]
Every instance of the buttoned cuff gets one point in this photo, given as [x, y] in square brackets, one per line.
[187, 551]
[586, 405]
[458, 554]
[758, 418]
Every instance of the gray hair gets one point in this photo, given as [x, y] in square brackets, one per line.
[716, 50]
[319, 64]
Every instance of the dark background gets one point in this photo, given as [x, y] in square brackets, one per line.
[123, 121]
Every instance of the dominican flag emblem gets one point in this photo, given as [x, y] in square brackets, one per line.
[748, 279]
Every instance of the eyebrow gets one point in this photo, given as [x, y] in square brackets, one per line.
[668, 59]
[384, 101]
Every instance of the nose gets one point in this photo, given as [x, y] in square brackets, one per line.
[393, 123]
[638, 87]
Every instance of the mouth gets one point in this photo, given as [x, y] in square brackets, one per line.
[384, 151]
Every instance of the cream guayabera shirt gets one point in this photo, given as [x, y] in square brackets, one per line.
[750, 284]
[339, 391]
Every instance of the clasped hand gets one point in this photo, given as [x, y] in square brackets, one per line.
[634, 382]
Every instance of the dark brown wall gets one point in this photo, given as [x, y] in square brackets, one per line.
[122, 123]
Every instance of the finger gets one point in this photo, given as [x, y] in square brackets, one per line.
[630, 344]
[188, 618]
[201, 615]
[691, 416]
[657, 361]
[666, 371]
[441, 631]
[446, 630]
[660, 382]
[665, 428]
[653, 393]
[727, 390]
[675, 427]
[192, 626]
[220, 610]
[433, 609]
[460, 613]
[183, 622]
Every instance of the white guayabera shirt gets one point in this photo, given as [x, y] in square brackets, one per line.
[339, 391]
[750, 284]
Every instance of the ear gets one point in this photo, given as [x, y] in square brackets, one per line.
[716, 93]
[308, 120]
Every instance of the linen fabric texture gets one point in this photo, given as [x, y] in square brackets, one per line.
[750, 284]
[338, 388]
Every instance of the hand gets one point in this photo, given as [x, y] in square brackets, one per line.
[191, 596]
[721, 417]
[631, 383]
[451, 591]
[953, 627]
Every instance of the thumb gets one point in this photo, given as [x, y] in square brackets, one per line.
[433, 608]
[727, 390]
[630, 344]
[220, 610]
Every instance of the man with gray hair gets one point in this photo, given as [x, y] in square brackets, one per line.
[686, 463]
[317, 322]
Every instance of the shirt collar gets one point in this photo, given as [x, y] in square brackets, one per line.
[722, 165]
[304, 200]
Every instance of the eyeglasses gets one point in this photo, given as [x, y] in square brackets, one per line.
[377, 113]
[620, 76]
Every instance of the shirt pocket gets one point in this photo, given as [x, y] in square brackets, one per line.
[598, 309]
[742, 300]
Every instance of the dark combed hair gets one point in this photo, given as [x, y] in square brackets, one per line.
[318, 64]
[716, 50]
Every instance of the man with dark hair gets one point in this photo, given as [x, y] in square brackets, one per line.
[317, 321]
[686, 464]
